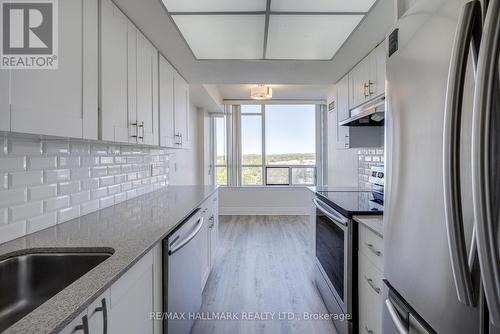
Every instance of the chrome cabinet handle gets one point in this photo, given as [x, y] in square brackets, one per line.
[485, 104]
[366, 87]
[372, 285]
[395, 318]
[141, 126]
[470, 15]
[369, 331]
[84, 326]
[184, 242]
[212, 221]
[372, 249]
[104, 311]
[370, 84]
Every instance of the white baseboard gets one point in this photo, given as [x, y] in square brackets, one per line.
[264, 211]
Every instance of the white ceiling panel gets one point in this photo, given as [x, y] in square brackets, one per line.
[322, 5]
[214, 5]
[223, 36]
[314, 37]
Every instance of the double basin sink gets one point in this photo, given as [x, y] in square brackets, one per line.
[28, 280]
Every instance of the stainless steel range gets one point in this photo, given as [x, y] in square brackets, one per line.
[335, 260]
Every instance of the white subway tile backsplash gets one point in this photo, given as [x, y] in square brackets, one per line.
[81, 197]
[20, 179]
[12, 231]
[56, 203]
[12, 163]
[56, 175]
[66, 188]
[80, 173]
[106, 181]
[13, 197]
[42, 162]
[21, 212]
[68, 214]
[24, 146]
[89, 206]
[90, 184]
[98, 193]
[41, 192]
[68, 162]
[55, 147]
[44, 182]
[106, 201]
[99, 171]
[79, 148]
[41, 222]
[114, 189]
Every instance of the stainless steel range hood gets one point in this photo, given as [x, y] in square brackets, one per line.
[368, 114]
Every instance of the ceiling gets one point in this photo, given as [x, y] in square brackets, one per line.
[280, 92]
[160, 27]
[266, 29]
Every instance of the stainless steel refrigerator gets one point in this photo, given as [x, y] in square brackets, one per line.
[441, 217]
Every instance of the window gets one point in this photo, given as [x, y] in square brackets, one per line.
[272, 145]
[251, 145]
[220, 151]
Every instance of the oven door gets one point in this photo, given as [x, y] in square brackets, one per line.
[334, 252]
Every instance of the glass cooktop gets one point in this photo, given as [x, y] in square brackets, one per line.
[351, 203]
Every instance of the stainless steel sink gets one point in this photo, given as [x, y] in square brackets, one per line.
[27, 281]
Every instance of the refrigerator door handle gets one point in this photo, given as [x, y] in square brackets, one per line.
[465, 38]
[485, 105]
[395, 318]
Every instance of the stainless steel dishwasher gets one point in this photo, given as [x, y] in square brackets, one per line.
[182, 275]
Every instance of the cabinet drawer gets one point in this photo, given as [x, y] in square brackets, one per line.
[371, 245]
[370, 297]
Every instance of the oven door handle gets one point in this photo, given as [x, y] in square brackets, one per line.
[322, 206]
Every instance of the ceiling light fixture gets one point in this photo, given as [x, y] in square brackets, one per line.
[261, 92]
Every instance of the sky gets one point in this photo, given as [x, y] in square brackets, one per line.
[289, 129]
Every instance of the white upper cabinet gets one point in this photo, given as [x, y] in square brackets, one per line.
[114, 71]
[181, 111]
[367, 79]
[343, 132]
[4, 100]
[174, 107]
[129, 81]
[60, 102]
[166, 92]
[147, 91]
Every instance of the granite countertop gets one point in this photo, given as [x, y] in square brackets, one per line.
[374, 223]
[130, 229]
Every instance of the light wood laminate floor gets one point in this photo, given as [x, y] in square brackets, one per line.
[264, 264]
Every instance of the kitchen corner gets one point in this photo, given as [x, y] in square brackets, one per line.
[128, 230]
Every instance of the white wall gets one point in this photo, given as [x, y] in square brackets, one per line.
[342, 163]
[265, 201]
[185, 164]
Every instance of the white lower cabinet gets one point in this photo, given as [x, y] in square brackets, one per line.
[209, 236]
[126, 306]
[370, 282]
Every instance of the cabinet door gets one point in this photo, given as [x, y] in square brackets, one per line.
[5, 100]
[76, 325]
[380, 62]
[98, 314]
[55, 102]
[342, 113]
[181, 107]
[204, 243]
[132, 299]
[133, 125]
[166, 87]
[358, 78]
[114, 74]
[214, 230]
[147, 91]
